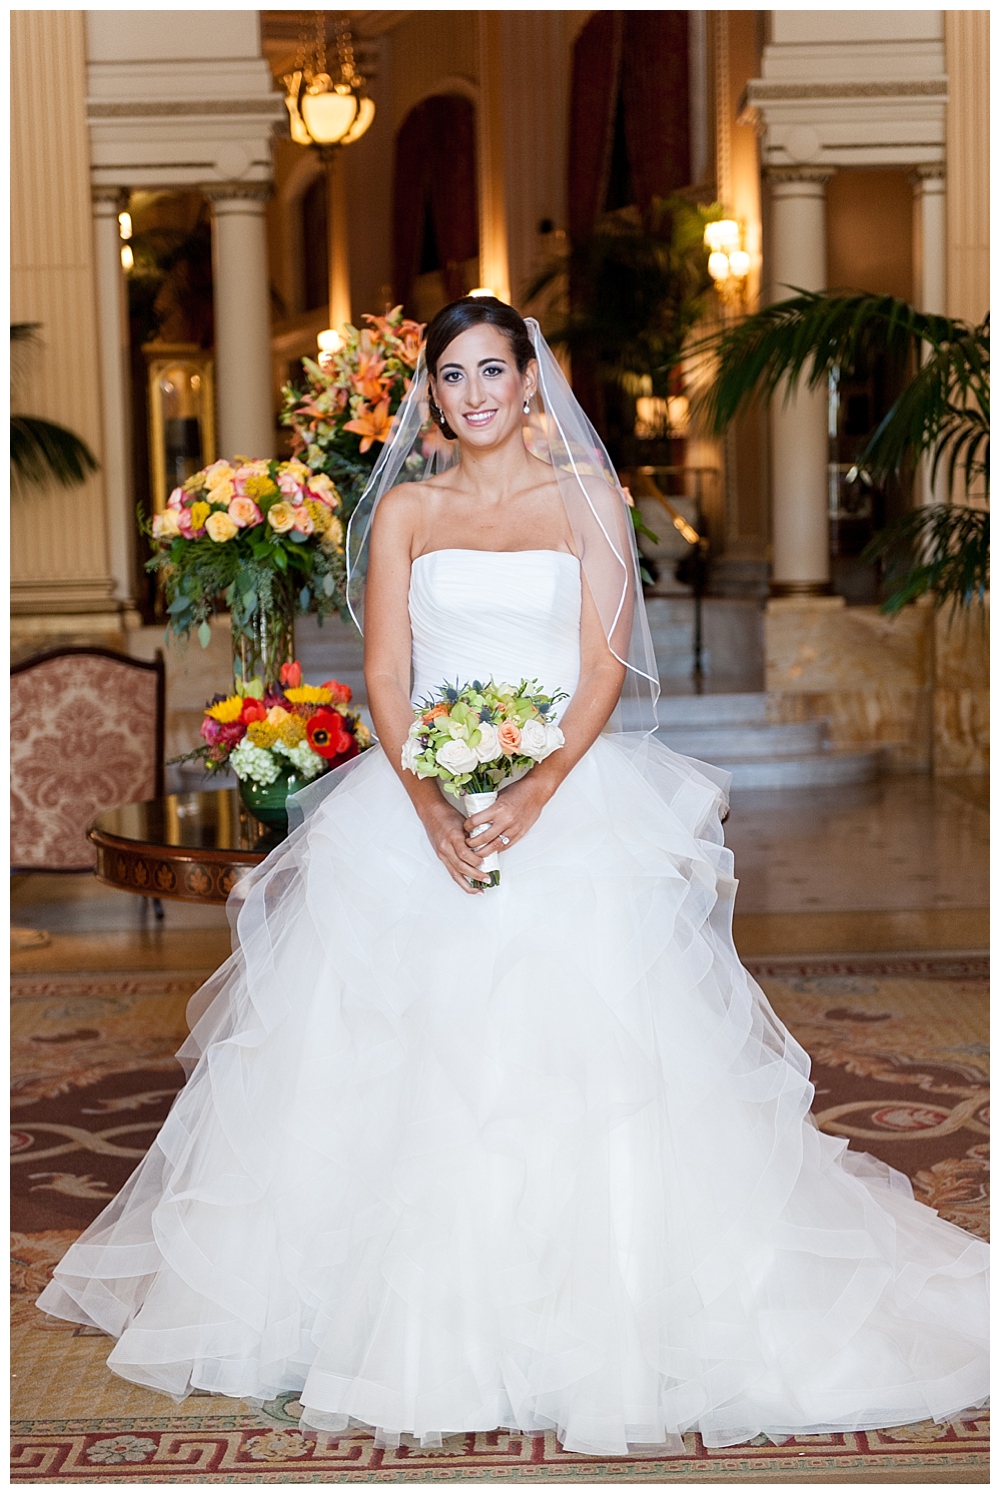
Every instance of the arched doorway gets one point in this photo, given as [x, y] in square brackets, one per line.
[435, 205]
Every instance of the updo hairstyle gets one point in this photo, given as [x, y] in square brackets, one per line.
[456, 318]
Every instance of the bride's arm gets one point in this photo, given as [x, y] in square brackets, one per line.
[595, 697]
[387, 677]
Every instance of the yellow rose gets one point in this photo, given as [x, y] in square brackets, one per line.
[223, 492]
[199, 513]
[333, 539]
[324, 489]
[221, 527]
[219, 472]
[276, 715]
[281, 517]
[165, 525]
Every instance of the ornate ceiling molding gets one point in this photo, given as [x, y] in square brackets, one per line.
[759, 92]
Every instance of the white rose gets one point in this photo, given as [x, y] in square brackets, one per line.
[533, 740]
[411, 751]
[457, 757]
[489, 742]
[553, 740]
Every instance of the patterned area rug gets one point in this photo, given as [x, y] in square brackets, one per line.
[900, 1067]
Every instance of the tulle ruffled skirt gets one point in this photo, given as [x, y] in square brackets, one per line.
[537, 1159]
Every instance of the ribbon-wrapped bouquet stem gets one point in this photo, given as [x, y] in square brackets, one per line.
[476, 738]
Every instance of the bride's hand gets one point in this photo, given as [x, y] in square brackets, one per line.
[445, 833]
[510, 818]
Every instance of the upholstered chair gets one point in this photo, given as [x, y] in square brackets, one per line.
[86, 734]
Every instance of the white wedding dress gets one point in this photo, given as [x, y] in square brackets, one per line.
[539, 1158]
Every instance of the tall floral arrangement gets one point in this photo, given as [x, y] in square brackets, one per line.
[266, 539]
[344, 415]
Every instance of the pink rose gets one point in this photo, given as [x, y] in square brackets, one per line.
[290, 487]
[184, 523]
[245, 513]
[176, 499]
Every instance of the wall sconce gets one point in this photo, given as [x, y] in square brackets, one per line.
[125, 225]
[128, 258]
[728, 263]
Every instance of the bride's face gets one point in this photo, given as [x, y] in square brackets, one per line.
[479, 388]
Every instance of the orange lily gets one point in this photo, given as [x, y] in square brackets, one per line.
[367, 380]
[372, 425]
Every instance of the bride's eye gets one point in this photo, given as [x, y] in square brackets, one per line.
[452, 376]
[493, 370]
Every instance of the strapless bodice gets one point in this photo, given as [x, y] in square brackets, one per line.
[509, 614]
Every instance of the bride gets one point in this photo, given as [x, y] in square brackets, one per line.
[539, 1156]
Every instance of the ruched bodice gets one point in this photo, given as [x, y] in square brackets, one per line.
[509, 614]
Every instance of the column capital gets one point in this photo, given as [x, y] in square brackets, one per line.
[932, 173]
[219, 192]
[109, 201]
[781, 175]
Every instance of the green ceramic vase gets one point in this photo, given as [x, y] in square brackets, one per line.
[267, 802]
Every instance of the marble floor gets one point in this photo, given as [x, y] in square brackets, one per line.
[900, 864]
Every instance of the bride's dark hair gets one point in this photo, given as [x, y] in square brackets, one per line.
[474, 311]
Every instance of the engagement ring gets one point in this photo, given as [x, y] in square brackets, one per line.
[505, 840]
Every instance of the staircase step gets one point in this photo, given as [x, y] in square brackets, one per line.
[810, 770]
[740, 742]
[682, 711]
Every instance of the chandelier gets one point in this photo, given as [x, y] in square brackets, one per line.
[326, 108]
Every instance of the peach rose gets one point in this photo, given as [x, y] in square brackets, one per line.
[509, 737]
[245, 513]
[221, 527]
[165, 525]
[304, 520]
[321, 487]
[281, 517]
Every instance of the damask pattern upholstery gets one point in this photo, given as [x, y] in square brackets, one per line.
[86, 734]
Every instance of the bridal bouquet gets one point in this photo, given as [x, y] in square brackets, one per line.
[477, 737]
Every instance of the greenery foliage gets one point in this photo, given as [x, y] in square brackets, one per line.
[637, 287]
[40, 450]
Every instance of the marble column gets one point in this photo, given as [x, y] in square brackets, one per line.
[930, 283]
[242, 320]
[800, 541]
[116, 388]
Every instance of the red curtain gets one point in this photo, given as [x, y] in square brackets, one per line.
[644, 53]
[597, 54]
[435, 170]
[655, 96]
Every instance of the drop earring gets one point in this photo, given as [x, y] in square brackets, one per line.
[526, 407]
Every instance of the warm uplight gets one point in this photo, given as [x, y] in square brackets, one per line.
[329, 341]
[482, 290]
[125, 225]
[128, 258]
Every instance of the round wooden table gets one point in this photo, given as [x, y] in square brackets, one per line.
[194, 847]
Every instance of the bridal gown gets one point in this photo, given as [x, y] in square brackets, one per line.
[536, 1159]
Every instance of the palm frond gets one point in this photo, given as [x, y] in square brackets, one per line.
[941, 551]
[810, 334]
[42, 452]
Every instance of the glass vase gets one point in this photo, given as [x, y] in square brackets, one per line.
[265, 642]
